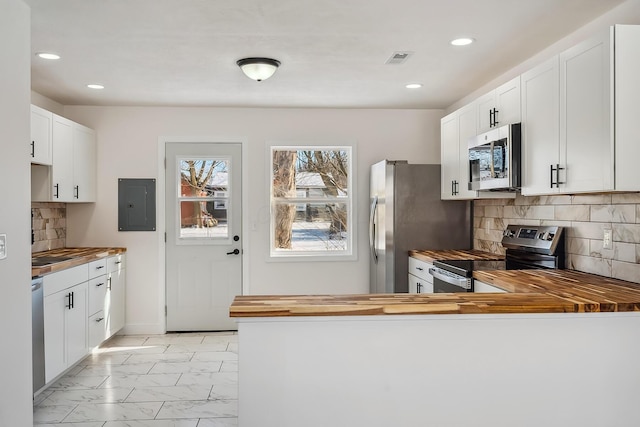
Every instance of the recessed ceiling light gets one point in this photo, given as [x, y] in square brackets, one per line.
[95, 86]
[47, 55]
[462, 41]
[413, 85]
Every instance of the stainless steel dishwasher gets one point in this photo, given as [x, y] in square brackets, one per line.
[37, 332]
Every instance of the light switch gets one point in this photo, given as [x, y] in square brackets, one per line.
[3, 246]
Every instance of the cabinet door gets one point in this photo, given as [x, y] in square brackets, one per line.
[62, 168]
[41, 124]
[419, 286]
[84, 164]
[449, 149]
[586, 132]
[467, 128]
[627, 108]
[76, 325]
[508, 103]
[55, 360]
[540, 127]
[485, 105]
[116, 294]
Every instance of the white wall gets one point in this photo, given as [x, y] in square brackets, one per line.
[15, 270]
[128, 148]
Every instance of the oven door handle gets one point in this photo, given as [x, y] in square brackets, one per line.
[461, 283]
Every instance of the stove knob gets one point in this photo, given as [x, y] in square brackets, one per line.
[509, 233]
[550, 236]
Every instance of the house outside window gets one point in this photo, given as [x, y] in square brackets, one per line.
[312, 202]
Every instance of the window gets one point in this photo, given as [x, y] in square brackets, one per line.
[312, 202]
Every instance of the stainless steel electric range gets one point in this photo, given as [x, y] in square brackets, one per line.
[527, 247]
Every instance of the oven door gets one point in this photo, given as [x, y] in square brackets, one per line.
[446, 282]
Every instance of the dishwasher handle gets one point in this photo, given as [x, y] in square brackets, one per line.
[450, 278]
[36, 284]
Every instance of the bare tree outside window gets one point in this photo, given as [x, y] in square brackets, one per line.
[311, 200]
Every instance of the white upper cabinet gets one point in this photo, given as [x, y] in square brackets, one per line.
[61, 185]
[580, 114]
[40, 144]
[627, 110]
[84, 164]
[540, 127]
[455, 130]
[499, 107]
[586, 109]
[72, 174]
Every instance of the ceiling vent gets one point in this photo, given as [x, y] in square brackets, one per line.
[399, 57]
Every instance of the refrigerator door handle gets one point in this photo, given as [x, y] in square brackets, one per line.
[372, 229]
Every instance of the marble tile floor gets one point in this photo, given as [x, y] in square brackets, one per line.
[173, 380]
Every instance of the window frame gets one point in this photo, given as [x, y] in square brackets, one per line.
[350, 254]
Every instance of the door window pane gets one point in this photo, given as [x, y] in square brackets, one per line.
[203, 199]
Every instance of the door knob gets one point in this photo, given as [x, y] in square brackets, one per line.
[234, 252]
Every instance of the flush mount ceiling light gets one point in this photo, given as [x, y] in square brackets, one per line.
[258, 69]
[47, 55]
[95, 86]
[413, 85]
[463, 41]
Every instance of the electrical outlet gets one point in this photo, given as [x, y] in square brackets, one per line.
[606, 240]
[3, 246]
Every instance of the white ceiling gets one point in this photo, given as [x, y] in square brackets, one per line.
[333, 52]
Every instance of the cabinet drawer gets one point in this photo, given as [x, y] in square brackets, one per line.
[97, 329]
[420, 269]
[56, 282]
[97, 268]
[115, 263]
[97, 293]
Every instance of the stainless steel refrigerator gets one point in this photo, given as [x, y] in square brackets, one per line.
[406, 213]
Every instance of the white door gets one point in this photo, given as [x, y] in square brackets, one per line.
[204, 245]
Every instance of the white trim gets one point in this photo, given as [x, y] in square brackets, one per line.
[161, 217]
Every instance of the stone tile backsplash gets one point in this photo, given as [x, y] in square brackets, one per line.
[49, 226]
[585, 217]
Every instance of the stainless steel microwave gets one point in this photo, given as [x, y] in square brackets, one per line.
[495, 159]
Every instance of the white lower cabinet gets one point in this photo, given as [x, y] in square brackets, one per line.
[420, 281]
[83, 307]
[115, 294]
[65, 319]
[482, 287]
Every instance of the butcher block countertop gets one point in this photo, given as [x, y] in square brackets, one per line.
[470, 254]
[587, 292]
[79, 256]
[530, 291]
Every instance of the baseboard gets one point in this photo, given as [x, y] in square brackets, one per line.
[143, 329]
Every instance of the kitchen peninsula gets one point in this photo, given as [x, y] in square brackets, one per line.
[530, 357]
